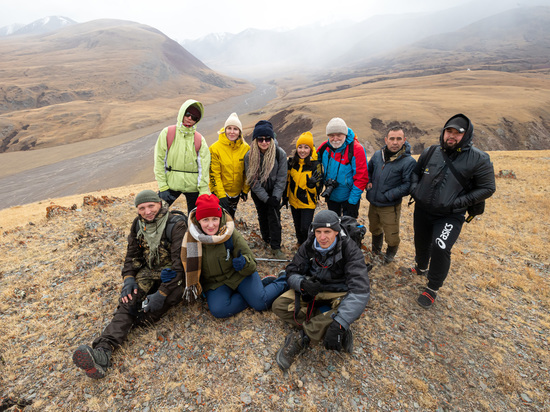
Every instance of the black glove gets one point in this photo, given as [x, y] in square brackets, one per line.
[166, 196]
[334, 336]
[129, 287]
[273, 202]
[284, 202]
[154, 302]
[224, 203]
[239, 262]
[244, 196]
[312, 181]
[310, 287]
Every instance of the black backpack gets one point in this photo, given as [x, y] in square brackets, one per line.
[353, 229]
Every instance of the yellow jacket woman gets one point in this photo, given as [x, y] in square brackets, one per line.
[304, 184]
[227, 176]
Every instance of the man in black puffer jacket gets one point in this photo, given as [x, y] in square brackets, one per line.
[441, 200]
[330, 288]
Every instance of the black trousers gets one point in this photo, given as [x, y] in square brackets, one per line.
[344, 208]
[170, 196]
[130, 315]
[434, 237]
[269, 219]
[302, 220]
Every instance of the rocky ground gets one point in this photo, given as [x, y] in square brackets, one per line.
[484, 345]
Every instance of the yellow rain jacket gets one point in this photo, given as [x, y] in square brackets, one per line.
[227, 175]
[299, 195]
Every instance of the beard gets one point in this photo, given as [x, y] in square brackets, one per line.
[337, 145]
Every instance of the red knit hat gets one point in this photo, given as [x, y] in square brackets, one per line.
[208, 206]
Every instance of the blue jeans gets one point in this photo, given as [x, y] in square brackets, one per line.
[224, 302]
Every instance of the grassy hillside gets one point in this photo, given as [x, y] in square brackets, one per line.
[484, 345]
[95, 80]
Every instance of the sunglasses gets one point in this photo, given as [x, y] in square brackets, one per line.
[192, 116]
[263, 139]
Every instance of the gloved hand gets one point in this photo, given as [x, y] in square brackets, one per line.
[239, 262]
[312, 181]
[154, 302]
[128, 289]
[166, 275]
[311, 287]
[284, 202]
[273, 202]
[166, 196]
[244, 196]
[224, 203]
[334, 336]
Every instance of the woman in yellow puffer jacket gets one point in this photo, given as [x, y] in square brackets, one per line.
[227, 177]
[303, 185]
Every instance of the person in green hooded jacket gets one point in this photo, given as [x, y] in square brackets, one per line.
[182, 169]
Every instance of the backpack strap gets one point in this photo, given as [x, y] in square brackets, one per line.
[175, 217]
[170, 135]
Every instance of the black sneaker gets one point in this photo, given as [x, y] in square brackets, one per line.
[347, 341]
[94, 361]
[295, 344]
[268, 280]
[427, 298]
[414, 271]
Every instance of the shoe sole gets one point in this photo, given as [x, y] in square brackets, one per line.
[279, 362]
[84, 360]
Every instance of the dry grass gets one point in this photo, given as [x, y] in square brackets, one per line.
[483, 345]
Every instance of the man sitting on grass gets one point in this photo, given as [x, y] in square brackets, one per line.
[152, 274]
[330, 288]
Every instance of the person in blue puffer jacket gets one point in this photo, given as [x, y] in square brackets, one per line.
[344, 163]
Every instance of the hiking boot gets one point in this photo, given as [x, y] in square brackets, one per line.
[268, 279]
[390, 254]
[427, 298]
[295, 344]
[347, 341]
[94, 361]
[278, 254]
[377, 243]
[414, 271]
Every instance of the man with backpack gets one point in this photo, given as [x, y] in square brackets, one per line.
[344, 163]
[329, 290]
[182, 158]
[448, 180]
[152, 275]
[390, 171]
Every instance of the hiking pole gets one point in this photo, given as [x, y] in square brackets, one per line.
[272, 260]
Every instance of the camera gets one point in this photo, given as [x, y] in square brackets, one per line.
[330, 185]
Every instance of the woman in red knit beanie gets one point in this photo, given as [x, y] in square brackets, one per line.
[218, 261]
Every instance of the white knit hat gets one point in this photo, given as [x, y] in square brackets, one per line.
[337, 125]
[233, 120]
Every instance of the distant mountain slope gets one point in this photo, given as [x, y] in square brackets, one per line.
[510, 41]
[45, 25]
[92, 73]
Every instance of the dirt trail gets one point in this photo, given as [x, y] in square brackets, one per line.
[127, 163]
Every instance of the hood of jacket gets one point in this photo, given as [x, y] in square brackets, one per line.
[182, 111]
[349, 140]
[466, 141]
[223, 139]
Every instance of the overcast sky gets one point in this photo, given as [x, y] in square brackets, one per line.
[186, 19]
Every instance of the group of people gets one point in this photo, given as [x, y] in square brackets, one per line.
[325, 288]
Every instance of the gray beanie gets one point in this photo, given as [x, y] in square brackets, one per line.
[326, 218]
[337, 125]
[146, 196]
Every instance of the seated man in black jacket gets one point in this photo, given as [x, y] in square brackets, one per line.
[441, 200]
[152, 275]
[330, 288]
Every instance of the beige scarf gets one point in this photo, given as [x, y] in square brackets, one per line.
[191, 251]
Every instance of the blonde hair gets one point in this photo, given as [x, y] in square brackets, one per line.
[258, 170]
